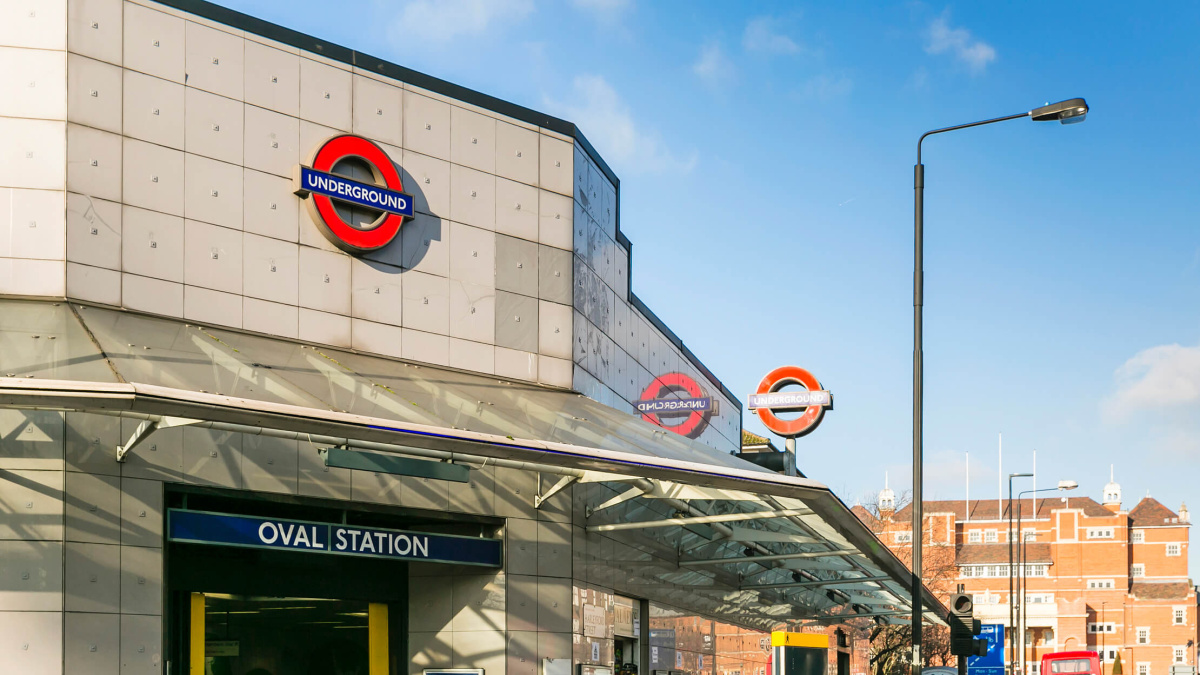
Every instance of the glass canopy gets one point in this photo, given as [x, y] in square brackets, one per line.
[662, 516]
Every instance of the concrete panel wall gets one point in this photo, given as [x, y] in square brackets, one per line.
[145, 162]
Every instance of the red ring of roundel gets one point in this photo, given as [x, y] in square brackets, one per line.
[695, 420]
[802, 424]
[335, 149]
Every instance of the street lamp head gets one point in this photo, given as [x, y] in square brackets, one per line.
[1067, 485]
[1020, 475]
[1070, 111]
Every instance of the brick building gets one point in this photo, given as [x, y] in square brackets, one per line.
[1098, 577]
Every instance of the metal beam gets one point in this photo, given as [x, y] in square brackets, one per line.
[765, 558]
[698, 520]
[563, 482]
[819, 583]
[147, 427]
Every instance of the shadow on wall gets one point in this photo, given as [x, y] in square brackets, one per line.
[417, 237]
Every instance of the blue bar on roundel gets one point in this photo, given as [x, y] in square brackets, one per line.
[354, 192]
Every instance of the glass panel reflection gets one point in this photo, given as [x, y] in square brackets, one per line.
[45, 340]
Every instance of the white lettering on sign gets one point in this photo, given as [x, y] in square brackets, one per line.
[790, 399]
[380, 543]
[381, 198]
[290, 534]
[594, 622]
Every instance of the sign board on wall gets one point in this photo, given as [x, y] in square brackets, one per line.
[323, 180]
[222, 529]
[623, 617]
[595, 623]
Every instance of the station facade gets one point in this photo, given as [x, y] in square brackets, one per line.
[314, 363]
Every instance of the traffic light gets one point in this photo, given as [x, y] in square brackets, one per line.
[964, 627]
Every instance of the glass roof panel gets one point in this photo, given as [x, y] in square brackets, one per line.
[45, 340]
[165, 352]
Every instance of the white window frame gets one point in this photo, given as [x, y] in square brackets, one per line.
[975, 537]
[1100, 584]
[1029, 534]
[1137, 570]
[1143, 668]
[1139, 537]
[1174, 547]
[1138, 637]
[1097, 627]
[1100, 533]
[904, 537]
[1179, 616]
[991, 536]
[1179, 655]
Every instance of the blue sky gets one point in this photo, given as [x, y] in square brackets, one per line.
[770, 146]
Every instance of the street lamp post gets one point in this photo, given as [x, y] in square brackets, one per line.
[1103, 642]
[1022, 548]
[1010, 641]
[1066, 112]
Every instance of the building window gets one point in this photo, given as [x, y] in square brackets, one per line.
[1143, 636]
[1179, 616]
[1035, 571]
[990, 536]
[1100, 583]
[1107, 627]
[1172, 550]
[974, 537]
[1139, 536]
[1100, 533]
[1030, 535]
[904, 537]
[1180, 655]
[1035, 668]
[1110, 655]
[1143, 669]
[1039, 598]
[1138, 570]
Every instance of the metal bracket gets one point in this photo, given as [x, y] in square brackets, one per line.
[563, 482]
[148, 427]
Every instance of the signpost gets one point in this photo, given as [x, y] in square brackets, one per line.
[993, 662]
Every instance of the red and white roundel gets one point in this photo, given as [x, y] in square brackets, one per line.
[676, 395]
[813, 414]
[384, 194]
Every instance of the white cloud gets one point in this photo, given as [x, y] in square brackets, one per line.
[761, 36]
[942, 38]
[445, 20]
[712, 66]
[1162, 378]
[608, 123]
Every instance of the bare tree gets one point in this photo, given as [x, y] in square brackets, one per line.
[891, 643]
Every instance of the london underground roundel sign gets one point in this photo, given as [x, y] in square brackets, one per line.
[673, 397]
[770, 398]
[324, 180]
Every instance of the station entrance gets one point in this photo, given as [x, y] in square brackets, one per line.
[255, 610]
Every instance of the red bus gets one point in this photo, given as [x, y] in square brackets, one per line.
[1071, 663]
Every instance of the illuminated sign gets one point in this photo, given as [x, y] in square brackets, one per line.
[676, 396]
[769, 399]
[324, 180]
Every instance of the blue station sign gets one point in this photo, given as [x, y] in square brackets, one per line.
[992, 663]
[223, 529]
